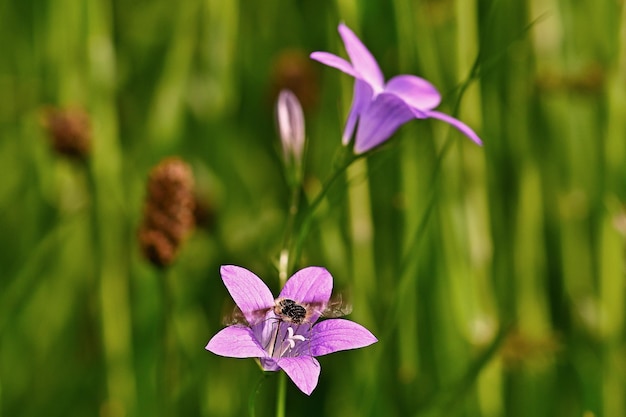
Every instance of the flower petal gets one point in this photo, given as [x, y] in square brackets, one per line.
[363, 62]
[362, 97]
[236, 342]
[313, 284]
[465, 129]
[304, 371]
[415, 91]
[333, 335]
[334, 61]
[249, 292]
[380, 120]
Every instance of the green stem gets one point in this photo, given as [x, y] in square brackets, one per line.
[283, 261]
[168, 363]
[253, 395]
[346, 159]
[281, 395]
[112, 287]
[108, 185]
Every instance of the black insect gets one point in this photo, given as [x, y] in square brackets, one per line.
[290, 311]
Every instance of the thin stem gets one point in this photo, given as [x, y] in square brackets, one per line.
[110, 241]
[281, 395]
[255, 392]
[113, 296]
[168, 375]
[346, 159]
[408, 259]
[283, 262]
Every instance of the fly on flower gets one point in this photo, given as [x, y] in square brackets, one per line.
[273, 329]
[291, 311]
[298, 313]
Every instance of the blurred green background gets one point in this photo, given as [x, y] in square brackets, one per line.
[493, 277]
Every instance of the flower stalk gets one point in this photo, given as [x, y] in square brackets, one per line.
[281, 395]
[291, 129]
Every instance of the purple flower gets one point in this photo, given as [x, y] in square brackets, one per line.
[381, 108]
[282, 332]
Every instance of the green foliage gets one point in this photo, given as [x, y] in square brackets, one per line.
[493, 277]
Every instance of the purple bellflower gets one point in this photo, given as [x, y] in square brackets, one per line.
[381, 108]
[283, 332]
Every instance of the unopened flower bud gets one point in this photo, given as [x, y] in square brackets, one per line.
[290, 126]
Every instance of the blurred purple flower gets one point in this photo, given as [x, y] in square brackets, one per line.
[281, 343]
[381, 108]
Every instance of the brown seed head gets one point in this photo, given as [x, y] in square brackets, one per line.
[522, 350]
[168, 212]
[293, 70]
[69, 131]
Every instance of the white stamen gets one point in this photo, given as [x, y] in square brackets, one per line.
[291, 339]
[291, 336]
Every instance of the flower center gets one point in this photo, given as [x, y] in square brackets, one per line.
[283, 343]
[291, 338]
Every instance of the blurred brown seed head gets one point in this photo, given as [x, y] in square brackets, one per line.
[168, 212]
[69, 131]
[522, 350]
[589, 80]
[294, 70]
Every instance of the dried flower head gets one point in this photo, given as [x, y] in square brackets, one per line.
[283, 333]
[293, 71]
[69, 131]
[523, 350]
[589, 80]
[168, 212]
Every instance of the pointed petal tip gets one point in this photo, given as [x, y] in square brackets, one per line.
[310, 284]
[344, 28]
[248, 291]
[339, 334]
[363, 62]
[304, 371]
[235, 342]
[456, 123]
[334, 61]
